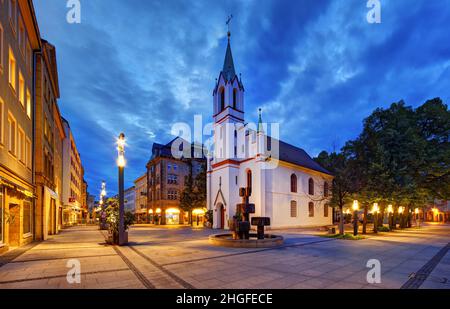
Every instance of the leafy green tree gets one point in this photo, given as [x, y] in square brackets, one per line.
[344, 182]
[188, 196]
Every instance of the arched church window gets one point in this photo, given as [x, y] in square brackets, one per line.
[311, 209]
[222, 98]
[293, 209]
[311, 186]
[293, 183]
[249, 179]
[234, 98]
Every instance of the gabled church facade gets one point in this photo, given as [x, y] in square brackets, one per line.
[290, 188]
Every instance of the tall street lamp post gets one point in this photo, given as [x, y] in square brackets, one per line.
[102, 205]
[375, 211]
[401, 209]
[121, 164]
[391, 217]
[355, 217]
[416, 216]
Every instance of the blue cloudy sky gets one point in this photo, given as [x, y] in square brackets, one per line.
[315, 66]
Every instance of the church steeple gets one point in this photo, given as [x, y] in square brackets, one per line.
[228, 70]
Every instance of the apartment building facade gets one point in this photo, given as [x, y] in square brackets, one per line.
[166, 181]
[46, 96]
[72, 179]
[19, 38]
[141, 212]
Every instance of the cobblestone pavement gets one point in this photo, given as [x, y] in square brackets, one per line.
[159, 257]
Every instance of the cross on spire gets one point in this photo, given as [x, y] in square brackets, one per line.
[228, 24]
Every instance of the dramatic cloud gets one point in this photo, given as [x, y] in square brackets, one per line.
[317, 67]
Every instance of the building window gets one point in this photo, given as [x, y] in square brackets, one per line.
[222, 99]
[294, 209]
[311, 209]
[234, 98]
[28, 104]
[2, 106]
[27, 217]
[249, 179]
[172, 195]
[326, 189]
[29, 59]
[1, 48]
[172, 179]
[13, 14]
[28, 157]
[21, 36]
[1, 214]
[21, 90]
[311, 186]
[12, 131]
[175, 167]
[12, 69]
[21, 146]
[325, 210]
[293, 183]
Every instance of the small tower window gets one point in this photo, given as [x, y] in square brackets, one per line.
[249, 179]
[222, 98]
[234, 98]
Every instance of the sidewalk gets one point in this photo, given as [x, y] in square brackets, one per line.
[44, 265]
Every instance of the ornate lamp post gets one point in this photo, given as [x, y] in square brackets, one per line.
[401, 209]
[416, 216]
[121, 164]
[355, 217]
[391, 216]
[102, 203]
[375, 211]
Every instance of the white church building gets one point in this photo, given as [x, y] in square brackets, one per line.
[288, 186]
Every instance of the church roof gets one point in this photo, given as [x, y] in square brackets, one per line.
[228, 70]
[294, 155]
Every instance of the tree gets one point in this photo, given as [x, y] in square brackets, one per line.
[200, 187]
[188, 196]
[344, 183]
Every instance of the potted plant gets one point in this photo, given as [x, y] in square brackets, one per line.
[112, 218]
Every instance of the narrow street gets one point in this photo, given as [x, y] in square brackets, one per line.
[182, 258]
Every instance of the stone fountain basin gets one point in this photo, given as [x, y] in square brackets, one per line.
[226, 240]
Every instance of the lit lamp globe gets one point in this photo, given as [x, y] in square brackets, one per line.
[390, 209]
[375, 208]
[150, 211]
[416, 211]
[401, 209]
[355, 205]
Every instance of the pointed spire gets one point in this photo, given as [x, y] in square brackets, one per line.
[228, 70]
[260, 123]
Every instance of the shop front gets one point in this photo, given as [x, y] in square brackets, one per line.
[172, 216]
[198, 217]
[16, 216]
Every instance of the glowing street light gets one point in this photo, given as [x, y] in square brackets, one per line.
[355, 217]
[375, 211]
[401, 209]
[390, 211]
[121, 164]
